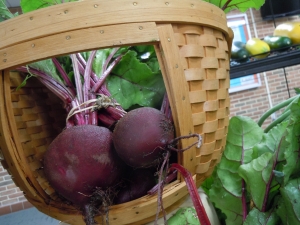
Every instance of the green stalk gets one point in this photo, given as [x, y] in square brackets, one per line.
[278, 120]
[276, 108]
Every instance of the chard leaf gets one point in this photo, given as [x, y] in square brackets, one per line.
[271, 157]
[31, 5]
[266, 218]
[295, 106]
[226, 191]
[229, 204]
[133, 83]
[289, 205]
[291, 151]
[257, 185]
[185, 215]
[228, 5]
[270, 141]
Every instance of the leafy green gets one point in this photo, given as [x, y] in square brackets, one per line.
[133, 82]
[31, 5]
[183, 216]
[257, 185]
[48, 67]
[289, 206]
[228, 5]
[257, 217]
[226, 193]
[4, 12]
[268, 164]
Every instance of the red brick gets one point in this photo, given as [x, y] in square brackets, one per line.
[27, 205]
[5, 210]
[15, 195]
[9, 202]
[17, 207]
[2, 188]
[7, 192]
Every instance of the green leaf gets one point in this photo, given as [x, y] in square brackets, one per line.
[271, 140]
[291, 150]
[24, 81]
[297, 90]
[228, 5]
[31, 5]
[270, 159]
[289, 206]
[257, 217]
[183, 216]
[134, 83]
[229, 204]
[226, 191]
[4, 12]
[257, 175]
[48, 67]
[295, 108]
[99, 60]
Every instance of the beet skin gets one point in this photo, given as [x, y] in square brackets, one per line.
[141, 136]
[80, 159]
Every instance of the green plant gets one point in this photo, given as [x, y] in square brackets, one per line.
[258, 178]
[241, 5]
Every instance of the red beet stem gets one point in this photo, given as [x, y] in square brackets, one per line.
[202, 216]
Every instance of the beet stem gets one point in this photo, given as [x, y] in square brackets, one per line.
[202, 216]
[77, 78]
[64, 76]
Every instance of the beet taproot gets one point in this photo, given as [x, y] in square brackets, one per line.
[136, 185]
[80, 159]
[140, 136]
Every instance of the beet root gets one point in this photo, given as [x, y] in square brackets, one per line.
[140, 136]
[80, 159]
[139, 182]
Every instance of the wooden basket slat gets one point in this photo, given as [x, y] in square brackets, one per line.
[203, 54]
[57, 18]
[178, 90]
[191, 39]
[78, 40]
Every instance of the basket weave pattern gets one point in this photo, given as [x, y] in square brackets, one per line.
[195, 68]
[39, 117]
[204, 53]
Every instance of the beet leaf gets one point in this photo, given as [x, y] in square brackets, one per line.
[228, 190]
[243, 6]
[257, 217]
[257, 180]
[31, 5]
[289, 206]
[132, 83]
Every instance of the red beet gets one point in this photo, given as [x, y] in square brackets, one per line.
[141, 135]
[80, 159]
[139, 182]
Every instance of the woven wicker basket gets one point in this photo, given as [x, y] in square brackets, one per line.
[192, 42]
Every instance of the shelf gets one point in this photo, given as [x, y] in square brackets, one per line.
[271, 63]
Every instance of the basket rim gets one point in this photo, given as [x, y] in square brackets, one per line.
[82, 15]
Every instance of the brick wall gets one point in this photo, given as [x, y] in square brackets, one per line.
[11, 197]
[252, 103]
